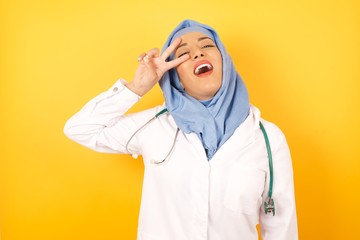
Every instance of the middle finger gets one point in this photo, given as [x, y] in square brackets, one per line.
[173, 46]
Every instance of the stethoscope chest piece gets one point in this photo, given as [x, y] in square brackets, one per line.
[269, 206]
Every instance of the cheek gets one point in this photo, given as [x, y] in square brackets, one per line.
[220, 66]
[183, 71]
[218, 58]
[180, 71]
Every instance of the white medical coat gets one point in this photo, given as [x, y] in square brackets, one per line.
[188, 197]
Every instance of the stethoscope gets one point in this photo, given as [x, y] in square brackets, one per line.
[269, 204]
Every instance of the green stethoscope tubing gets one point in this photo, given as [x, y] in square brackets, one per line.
[267, 142]
[161, 112]
[269, 205]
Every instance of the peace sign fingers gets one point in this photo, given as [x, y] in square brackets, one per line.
[168, 51]
[152, 67]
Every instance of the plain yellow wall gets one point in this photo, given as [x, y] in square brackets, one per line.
[299, 59]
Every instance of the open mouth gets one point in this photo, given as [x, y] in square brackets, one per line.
[202, 68]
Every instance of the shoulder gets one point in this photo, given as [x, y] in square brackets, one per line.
[147, 114]
[273, 131]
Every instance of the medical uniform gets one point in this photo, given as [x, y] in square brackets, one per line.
[188, 197]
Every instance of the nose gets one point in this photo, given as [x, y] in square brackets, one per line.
[198, 53]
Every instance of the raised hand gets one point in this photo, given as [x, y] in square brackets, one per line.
[152, 67]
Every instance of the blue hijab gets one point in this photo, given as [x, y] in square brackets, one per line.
[214, 120]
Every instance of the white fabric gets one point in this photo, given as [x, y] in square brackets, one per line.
[188, 197]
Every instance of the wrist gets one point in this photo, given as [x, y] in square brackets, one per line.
[135, 88]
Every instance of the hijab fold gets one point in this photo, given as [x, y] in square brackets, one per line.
[214, 120]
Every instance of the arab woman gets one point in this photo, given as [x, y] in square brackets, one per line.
[207, 173]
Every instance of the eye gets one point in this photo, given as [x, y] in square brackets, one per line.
[182, 54]
[208, 46]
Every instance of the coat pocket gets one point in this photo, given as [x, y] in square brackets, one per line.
[244, 190]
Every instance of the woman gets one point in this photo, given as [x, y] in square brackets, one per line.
[207, 170]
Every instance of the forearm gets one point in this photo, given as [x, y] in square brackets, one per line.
[103, 111]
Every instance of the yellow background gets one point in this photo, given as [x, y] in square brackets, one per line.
[299, 59]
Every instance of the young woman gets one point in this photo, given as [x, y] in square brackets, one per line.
[207, 169]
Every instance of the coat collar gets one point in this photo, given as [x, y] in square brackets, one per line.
[242, 137]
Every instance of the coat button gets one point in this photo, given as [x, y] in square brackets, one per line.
[115, 89]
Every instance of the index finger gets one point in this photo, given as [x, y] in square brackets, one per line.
[173, 46]
[177, 61]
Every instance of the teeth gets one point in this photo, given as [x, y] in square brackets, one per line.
[205, 65]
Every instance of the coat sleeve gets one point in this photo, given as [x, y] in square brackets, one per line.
[282, 226]
[102, 125]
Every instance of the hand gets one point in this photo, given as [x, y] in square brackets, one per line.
[152, 67]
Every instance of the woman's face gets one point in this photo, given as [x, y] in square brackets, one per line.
[201, 75]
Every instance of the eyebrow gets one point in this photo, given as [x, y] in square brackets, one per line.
[199, 39]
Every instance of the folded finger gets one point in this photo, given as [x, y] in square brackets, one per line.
[153, 53]
[141, 57]
[150, 54]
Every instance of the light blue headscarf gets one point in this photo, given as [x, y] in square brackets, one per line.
[215, 120]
